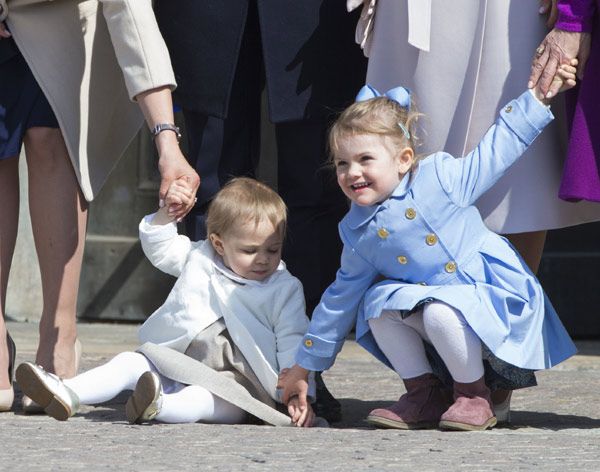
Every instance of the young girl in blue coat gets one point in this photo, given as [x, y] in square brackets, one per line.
[448, 281]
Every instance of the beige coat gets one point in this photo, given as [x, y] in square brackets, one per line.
[91, 58]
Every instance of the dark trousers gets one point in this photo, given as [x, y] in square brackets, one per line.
[220, 149]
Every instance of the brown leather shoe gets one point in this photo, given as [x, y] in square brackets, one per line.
[472, 409]
[419, 408]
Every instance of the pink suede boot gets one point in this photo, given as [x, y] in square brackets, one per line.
[472, 409]
[419, 408]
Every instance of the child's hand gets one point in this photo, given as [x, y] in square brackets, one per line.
[180, 194]
[294, 383]
[301, 418]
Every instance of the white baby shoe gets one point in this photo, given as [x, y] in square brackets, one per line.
[146, 400]
[48, 391]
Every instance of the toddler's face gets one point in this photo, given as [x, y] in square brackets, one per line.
[369, 167]
[251, 251]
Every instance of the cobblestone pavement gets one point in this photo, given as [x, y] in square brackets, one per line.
[556, 426]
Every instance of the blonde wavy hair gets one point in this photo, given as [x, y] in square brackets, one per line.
[242, 200]
[380, 116]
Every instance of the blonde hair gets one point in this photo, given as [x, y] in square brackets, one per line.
[241, 200]
[381, 116]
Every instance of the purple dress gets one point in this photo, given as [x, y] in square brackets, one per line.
[581, 175]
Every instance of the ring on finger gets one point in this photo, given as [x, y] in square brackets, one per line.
[540, 50]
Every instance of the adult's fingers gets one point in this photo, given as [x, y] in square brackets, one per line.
[165, 183]
[538, 65]
[555, 86]
[548, 74]
[194, 181]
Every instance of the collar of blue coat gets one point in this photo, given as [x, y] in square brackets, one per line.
[361, 215]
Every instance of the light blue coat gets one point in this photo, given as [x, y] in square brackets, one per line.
[427, 240]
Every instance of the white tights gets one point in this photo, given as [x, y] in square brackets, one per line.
[180, 403]
[401, 340]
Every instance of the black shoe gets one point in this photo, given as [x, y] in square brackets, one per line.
[325, 405]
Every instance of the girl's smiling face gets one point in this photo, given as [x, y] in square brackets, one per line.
[252, 251]
[369, 167]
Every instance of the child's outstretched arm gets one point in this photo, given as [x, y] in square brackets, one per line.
[520, 122]
[465, 179]
[165, 249]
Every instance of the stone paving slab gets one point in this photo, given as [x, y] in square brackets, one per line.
[556, 426]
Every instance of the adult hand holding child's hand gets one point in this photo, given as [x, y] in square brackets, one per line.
[558, 48]
[179, 195]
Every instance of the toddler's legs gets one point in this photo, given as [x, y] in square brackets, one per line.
[460, 348]
[424, 401]
[108, 380]
[454, 340]
[193, 403]
[402, 342]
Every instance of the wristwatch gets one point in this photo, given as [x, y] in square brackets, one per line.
[159, 128]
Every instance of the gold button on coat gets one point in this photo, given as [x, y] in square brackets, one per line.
[450, 267]
[508, 109]
[402, 259]
[308, 343]
[410, 213]
[431, 239]
[383, 233]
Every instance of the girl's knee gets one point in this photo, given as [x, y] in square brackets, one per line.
[438, 315]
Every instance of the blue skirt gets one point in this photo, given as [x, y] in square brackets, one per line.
[23, 105]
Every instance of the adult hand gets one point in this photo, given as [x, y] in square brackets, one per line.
[173, 165]
[4, 33]
[157, 107]
[558, 48]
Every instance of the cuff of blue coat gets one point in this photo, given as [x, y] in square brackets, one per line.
[156, 233]
[526, 116]
[316, 353]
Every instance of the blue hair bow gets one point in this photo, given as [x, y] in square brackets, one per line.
[401, 95]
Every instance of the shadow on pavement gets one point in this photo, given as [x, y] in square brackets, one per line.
[551, 421]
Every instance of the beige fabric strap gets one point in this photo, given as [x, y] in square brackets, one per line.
[189, 371]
